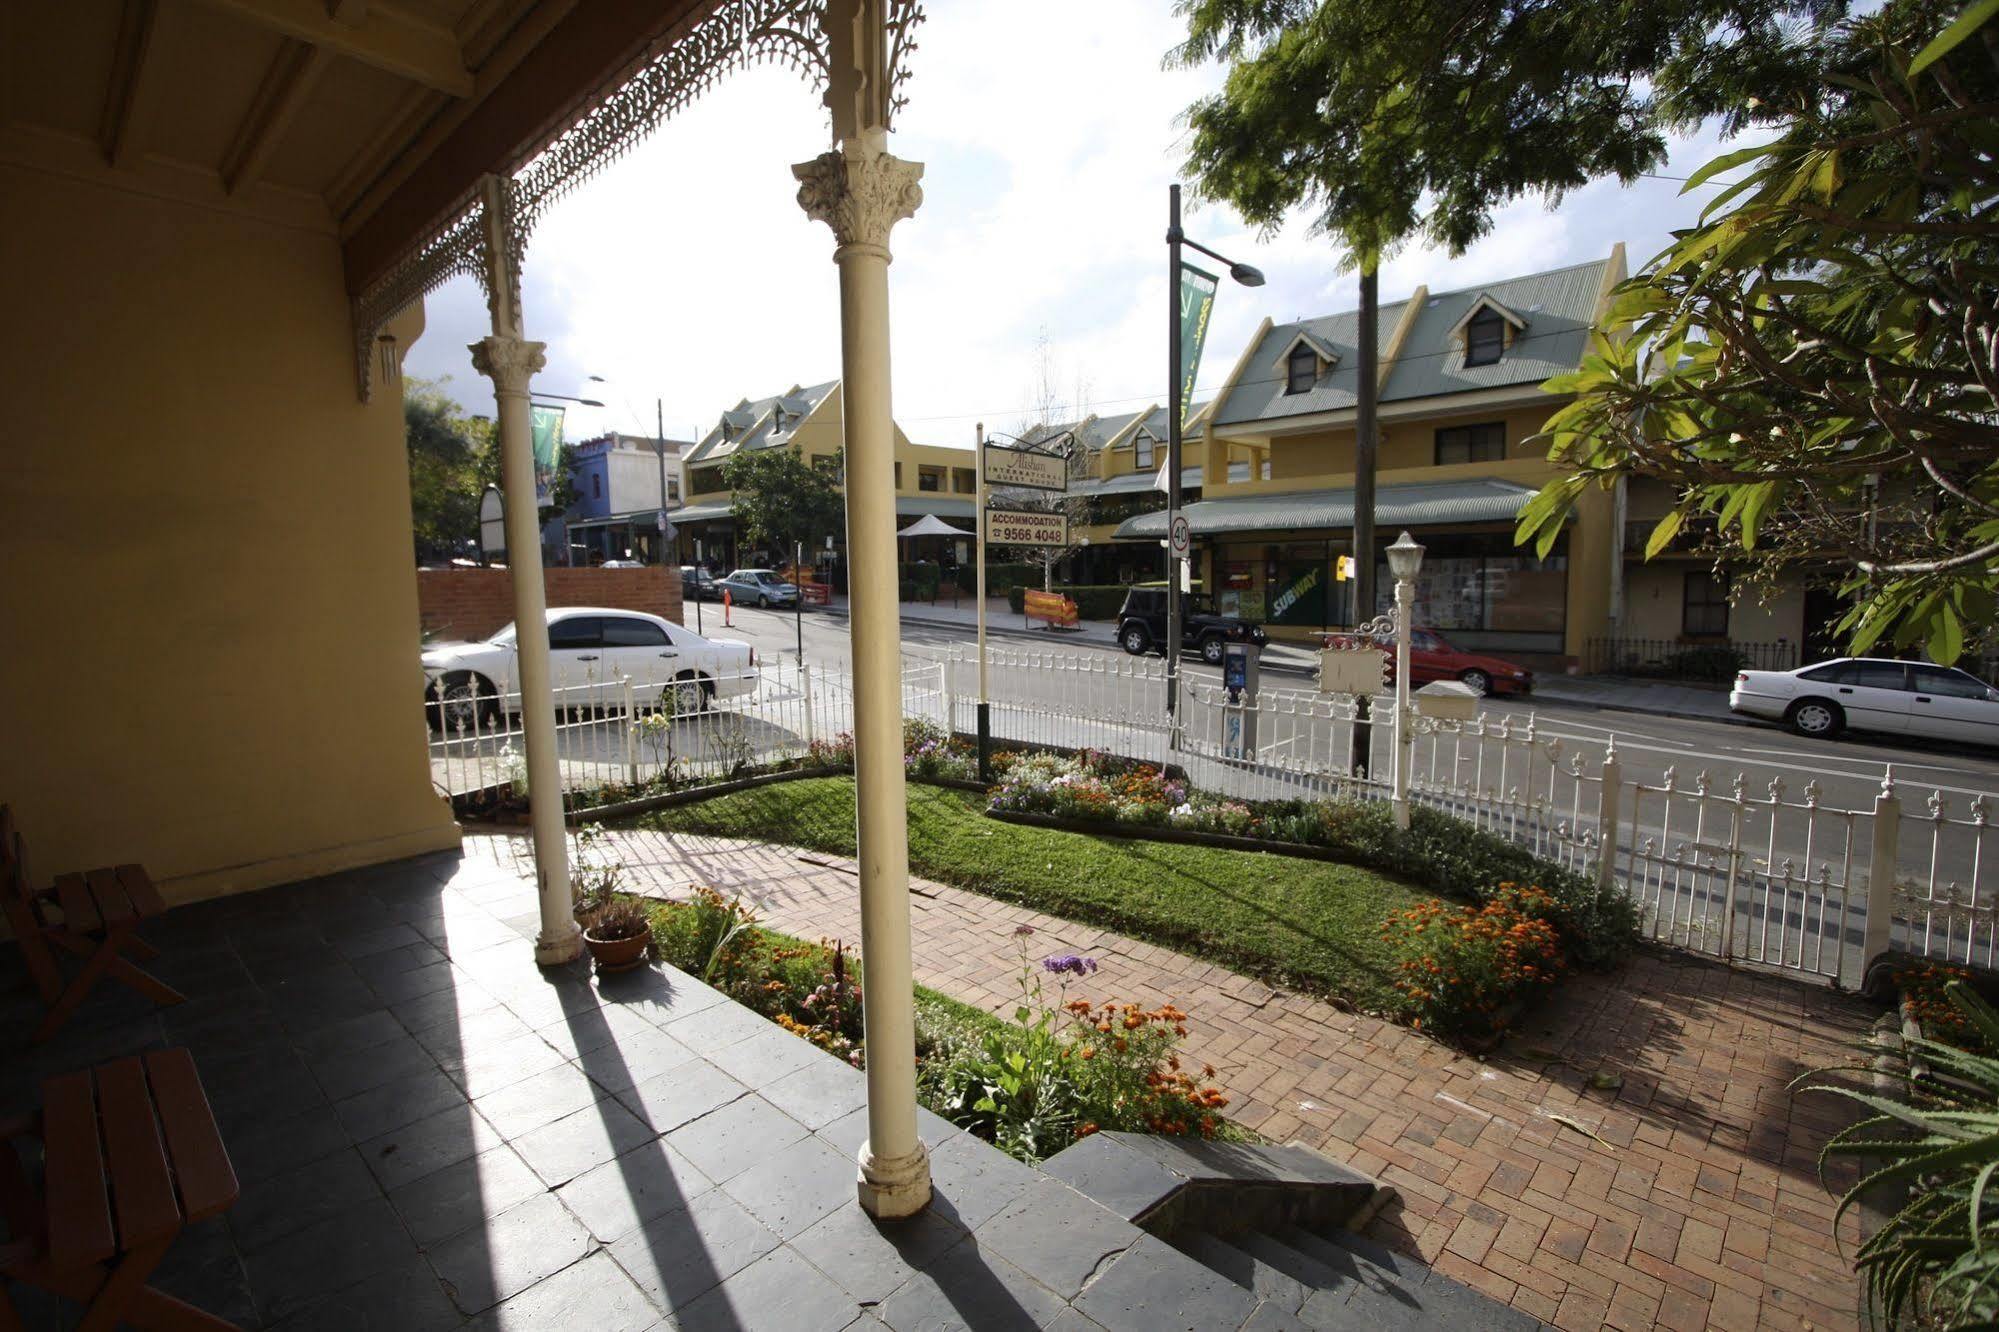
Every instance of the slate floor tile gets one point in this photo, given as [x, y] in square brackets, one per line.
[872, 1259]
[510, 1252]
[793, 1188]
[1056, 1235]
[627, 1059]
[619, 1196]
[764, 1058]
[590, 1137]
[394, 1104]
[451, 1135]
[524, 1106]
[779, 1292]
[445, 1202]
[681, 1095]
[270, 1209]
[594, 1295]
[1153, 1287]
[729, 1141]
[678, 1257]
[351, 1072]
[346, 1249]
[496, 1065]
[969, 1286]
[404, 1297]
[819, 1092]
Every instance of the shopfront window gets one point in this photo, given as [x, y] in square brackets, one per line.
[1482, 590]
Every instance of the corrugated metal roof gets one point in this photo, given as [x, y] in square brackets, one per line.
[1429, 505]
[1132, 483]
[700, 513]
[943, 506]
[753, 425]
[1559, 307]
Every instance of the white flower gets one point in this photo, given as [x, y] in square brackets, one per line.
[1181, 811]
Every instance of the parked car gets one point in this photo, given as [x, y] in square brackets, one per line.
[667, 663]
[758, 587]
[1141, 625]
[697, 584]
[1434, 657]
[1872, 694]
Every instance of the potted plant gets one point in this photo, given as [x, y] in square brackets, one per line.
[618, 935]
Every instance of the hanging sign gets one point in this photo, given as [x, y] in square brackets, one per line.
[1026, 469]
[546, 431]
[1354, 669]
[1016, 527]
[1197, 302]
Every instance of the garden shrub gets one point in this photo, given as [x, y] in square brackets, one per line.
[1924, 988]
[1001, 579]
[919, 581]
[1464, 969]
[1442, 853]
[1062, 1069]
[1717, 662]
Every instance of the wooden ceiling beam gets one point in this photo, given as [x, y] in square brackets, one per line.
[290, 78]
[384, 38]
[138, 24]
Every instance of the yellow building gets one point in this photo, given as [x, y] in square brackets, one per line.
[930, 479]
[1460, 399]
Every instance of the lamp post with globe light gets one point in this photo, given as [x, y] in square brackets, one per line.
[1405, 561]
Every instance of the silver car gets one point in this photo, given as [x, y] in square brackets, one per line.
[1872, 694]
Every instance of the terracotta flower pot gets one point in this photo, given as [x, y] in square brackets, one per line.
[616, 955]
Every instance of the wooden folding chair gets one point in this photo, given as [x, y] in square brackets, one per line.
[94, 915]
[131, 1157]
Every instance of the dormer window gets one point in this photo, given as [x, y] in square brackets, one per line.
[1301, 369]
[1485, 338]
[1142, 453]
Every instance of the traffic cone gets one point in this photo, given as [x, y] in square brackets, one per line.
[727, 603]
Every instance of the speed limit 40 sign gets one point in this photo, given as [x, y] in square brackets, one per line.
[1179, 539]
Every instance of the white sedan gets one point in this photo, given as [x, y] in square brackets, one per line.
[1872, 694]
[589, 649]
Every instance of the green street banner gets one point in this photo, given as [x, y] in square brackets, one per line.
[547, 433]
[1197, 302]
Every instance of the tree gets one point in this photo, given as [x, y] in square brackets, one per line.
[1814, 366]
[448, 453]
[1045, 431]
[781, 500]
[1398, 118]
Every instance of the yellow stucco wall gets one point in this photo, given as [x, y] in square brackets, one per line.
[823, 432]
[211, 661]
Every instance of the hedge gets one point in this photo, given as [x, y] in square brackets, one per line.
[1094, 601]
[918, 582]
[1003, 578]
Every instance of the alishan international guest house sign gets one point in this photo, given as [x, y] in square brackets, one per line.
[1025, 469]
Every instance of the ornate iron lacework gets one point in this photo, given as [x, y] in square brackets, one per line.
[739, 35]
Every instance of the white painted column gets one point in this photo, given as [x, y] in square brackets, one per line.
[861, 192]
[510, 361]
[1405, 611]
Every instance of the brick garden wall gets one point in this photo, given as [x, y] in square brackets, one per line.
[472, 603]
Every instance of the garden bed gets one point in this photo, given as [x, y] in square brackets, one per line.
[1063, 1069]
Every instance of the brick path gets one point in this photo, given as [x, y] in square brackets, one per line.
[1700, 1206]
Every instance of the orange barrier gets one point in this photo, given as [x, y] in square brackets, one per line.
[816, 594]
[1059, 611]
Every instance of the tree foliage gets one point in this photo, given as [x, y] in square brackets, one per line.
[1394, 118]
[781, 500]
[1813, 366]
[450, 455]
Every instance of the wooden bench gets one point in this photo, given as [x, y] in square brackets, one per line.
[130, 1157]
[94, 915]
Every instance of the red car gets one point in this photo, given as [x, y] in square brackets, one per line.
[1434, 657]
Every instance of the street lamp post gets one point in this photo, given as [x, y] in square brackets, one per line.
[1248, 277]
[1405, 561]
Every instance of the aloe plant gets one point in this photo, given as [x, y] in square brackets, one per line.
[1935, 1263]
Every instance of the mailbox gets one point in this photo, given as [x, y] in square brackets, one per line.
[1447, 700]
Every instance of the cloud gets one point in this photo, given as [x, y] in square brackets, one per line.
[687, 275]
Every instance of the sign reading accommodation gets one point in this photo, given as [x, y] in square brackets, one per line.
[1016, 527]
[1025, 469]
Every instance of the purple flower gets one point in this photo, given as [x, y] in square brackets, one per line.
[1068, 964]
[1022, 931]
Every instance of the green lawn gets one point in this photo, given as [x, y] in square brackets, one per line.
[1304, 923]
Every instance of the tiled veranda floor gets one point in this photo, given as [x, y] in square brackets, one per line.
[1695, 1204]
[430, 1132]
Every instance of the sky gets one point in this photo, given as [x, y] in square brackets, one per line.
[687, 277]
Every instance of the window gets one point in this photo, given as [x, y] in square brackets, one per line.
[964, 481]
[1485, 442]
[1485, 338]
[1301, 369]
[1877, 674]
[673, 490]
[1832, 674]
[1142, 454]
[1704, 612]
[930, 478]
[596, 485]
[578, 631]
[621, 631]
[898, 476]
[1946, 683]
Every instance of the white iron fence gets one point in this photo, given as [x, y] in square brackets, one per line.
[1775, 876]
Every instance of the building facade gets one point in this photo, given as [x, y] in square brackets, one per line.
[1460, 399]
[930, 480]
[622, 483]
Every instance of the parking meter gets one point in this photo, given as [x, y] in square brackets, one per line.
[1240, 674]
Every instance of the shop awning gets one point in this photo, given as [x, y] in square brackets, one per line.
[931, 525]
[699, 513]
[918, 506]
[1431, 504]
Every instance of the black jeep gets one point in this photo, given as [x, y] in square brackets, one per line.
[1141, 625]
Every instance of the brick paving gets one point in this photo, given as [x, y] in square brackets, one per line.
[1687, 1197]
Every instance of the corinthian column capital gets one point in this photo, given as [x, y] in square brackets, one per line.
[509, 362]
[861, 193]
